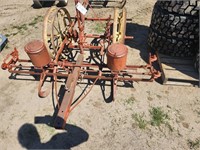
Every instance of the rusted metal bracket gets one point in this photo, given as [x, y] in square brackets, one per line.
[43, 93]
[64, 110]
[11, 58]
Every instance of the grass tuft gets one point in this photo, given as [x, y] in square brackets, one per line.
[21, 27]
[130, 100]
[142, 123]
[36, 20]
[158, 116]
[99, 27]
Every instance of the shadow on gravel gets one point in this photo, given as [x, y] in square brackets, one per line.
[47, 5]
[29, 137]
[139, 42]
[140, 33]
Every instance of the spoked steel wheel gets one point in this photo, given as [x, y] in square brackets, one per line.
[56, 25]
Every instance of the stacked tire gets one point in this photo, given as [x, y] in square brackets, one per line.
[46, 3]
[98, 2]
[196, 62]
[174, 28]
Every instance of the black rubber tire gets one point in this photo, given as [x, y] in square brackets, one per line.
[196, 62]
[62, 3]
[182, 7]
[42, 3]
[171, 46]
[175, 25]
[173, 34]
[37, 4]
[101, 2]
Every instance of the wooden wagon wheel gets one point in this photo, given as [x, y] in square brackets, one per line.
[56, 25]
[119, 25]
[47, 28]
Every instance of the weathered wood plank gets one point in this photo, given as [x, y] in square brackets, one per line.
[177, 71]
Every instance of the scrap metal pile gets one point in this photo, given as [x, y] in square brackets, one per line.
[62, 54]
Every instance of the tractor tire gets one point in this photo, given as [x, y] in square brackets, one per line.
[175, 25]
[63, 3]
[42, 3]
[182, 7]
[196, 62]
[173, 34]
[98, 2]
[171, 46]
[37, 4]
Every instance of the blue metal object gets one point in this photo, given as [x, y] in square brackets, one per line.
[3, 41]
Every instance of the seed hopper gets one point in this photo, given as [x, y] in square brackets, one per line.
[66, 53]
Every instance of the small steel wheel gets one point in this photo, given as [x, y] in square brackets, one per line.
[119, 25]
[56, 25]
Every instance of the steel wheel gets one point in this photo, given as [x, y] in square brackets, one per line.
[119, 25]
[47, 29]
[56, 25]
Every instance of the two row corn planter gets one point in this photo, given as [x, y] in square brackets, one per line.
[63, 50]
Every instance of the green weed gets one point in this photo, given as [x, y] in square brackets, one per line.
[21, 27]
[99, 27]
[158, 116]
[36, 20]
[130, 100]
[7, 35]
[142, 123]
